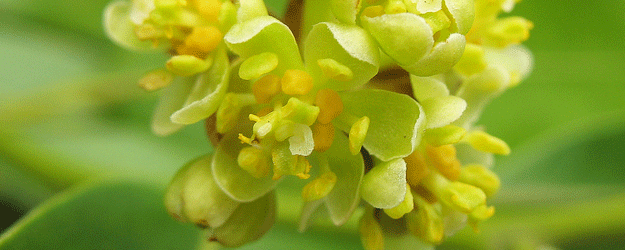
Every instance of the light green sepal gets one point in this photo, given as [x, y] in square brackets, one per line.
[384, 186]
[442, 111]
[441, 59]
[397, 121]
[349, 169]
[232, 179]
[207, 92]
[120, 28]
[348, 45]
[405, 37]
[463, 13]
[248, 223]
[265, 34]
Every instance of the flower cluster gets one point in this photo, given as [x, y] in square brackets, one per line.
[275, 111]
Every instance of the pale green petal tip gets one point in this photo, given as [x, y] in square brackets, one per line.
[346, 10]
[384, 186]
[250, 9]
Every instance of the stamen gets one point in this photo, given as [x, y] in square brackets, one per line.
[253, 160]
[482, 141]
[425, 223]
[357, 134]
[510, 30]
[445, 161]
[156, 79]
[323, 135]
[481, 177]
[472, 60]
[187, 65]
[209, 9]
[449, 134]
[258, 65]
[330, 105]
[201, 41]
[371, 233]
[373, 11]
[245, 140]
[320, 187]
[299, 112]
[395, 7]
[416, 168]
[296, 82]
[403, 208]
[266, 88]
[335, 70]
[457, 195]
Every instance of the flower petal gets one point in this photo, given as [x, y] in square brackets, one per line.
[384, 186]
[265, 34]
[121, 29]
[232, 179]
[207, 92]
[405, 37]
[397, 121]
[348, 45]
[442, 111]
[443, 56]
[349, 169]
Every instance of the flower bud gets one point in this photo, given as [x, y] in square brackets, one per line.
[384, 186]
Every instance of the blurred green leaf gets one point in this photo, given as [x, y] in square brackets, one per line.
[122, 215]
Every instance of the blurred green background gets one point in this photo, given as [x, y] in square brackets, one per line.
[77, 154]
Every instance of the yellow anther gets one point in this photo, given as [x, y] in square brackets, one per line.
[445, 161]
[357, 134]
[426, 222]
[258, 65]
[266, 88]
[437, 20]
[304, 166]
[416, 168]
[323, 135]
[319, 188]
[209, 9]
[254, 118]
[457, 195]
[330, 105]
[481, 177]
[481, 213]
[253, 160]
[335, 70]
[482, 141]
[156, 79]
[228, 112]
[395, 7]
[472, 60]
[148, 31]
[187, 65]
[244, 139]
[284, 163]
[510, 30]
[373, 11]
[296, 82]
[371, 234]
[265, 111]
[201, 41]
[449, 134]
[299, 112]
[404, 207]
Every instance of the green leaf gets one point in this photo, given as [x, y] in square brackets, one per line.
[232, 179]
[397, 121]
[265, 34]
[117, 215]
[348, 45]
